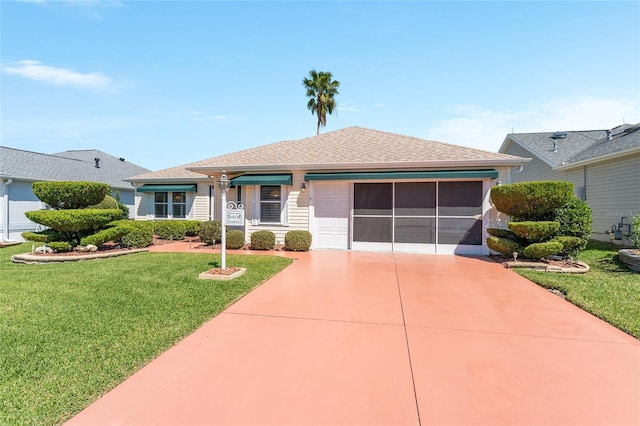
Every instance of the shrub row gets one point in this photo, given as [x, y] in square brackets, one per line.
[108, 234]
[170, 229]
[210, 232]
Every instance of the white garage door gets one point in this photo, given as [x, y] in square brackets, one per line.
[331, 215]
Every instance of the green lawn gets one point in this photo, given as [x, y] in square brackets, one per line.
[70, 332]
[609, 290]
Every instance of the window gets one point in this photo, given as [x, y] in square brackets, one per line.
[179, 205]
[161, 204]
[270, 203]
[164, 209]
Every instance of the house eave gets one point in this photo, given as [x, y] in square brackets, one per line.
[598, 159]
[458, 164]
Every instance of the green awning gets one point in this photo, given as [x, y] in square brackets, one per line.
[442, 174]
[168, 188]
[283, 179]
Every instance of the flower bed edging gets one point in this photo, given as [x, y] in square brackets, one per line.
[222, 277]
[630, 258]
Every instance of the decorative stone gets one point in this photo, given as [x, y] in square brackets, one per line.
[91, 248]
[43, 250]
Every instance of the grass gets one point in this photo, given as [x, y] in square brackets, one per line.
[70, 332]
[609, 290]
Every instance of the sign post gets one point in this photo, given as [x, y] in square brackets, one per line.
[223, 184]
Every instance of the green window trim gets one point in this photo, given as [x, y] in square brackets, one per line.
[442, 174]
[168, 188]
[275, 179]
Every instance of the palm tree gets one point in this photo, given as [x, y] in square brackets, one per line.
[321, 91]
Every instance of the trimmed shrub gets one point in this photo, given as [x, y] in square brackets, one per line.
[297, 240]
[569, 244]
[36, 237]
[235, 239]
[125, 210]
[192, 227]
[502, 233]
[540, 250]
[170, 229]
[60, 246]
[503, 246]
[575, 221]
[636, 230]
[70, 195]
[263, 240]
[535, 232]
[531, 200]
[210, 232]
[74, 220]
[140, 233]
[107, 203]
[109, 234]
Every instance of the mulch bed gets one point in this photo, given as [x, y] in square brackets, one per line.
[547, 262]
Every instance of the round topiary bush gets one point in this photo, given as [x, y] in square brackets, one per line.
[70, 195]
[263, 240]
[297, 240]
[210, 232]
[503, 246]
[531, 200]
[534, 232]
[541, 250]
[235, 239]
[170, 229]
[569, 244]
[107, 203]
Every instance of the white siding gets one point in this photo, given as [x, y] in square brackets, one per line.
[536, 169]
[613, 191]
[200, 206]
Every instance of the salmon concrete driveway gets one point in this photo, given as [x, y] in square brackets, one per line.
[349, 338]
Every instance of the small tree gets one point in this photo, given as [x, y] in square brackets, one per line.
[72, 217]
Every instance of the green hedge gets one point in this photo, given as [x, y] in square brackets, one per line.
[636, 230]
[503, 246]
[192, 227]
[540, 250]
[74, 220]
[36, 237]
[569, 244]
[140, 233]
[70, 195]
[235, 239]
[575, 221]
[531, 200]
[534, 232]
[107, 203]
[503, 233]
[210, 232]
[106, 235]
[263, 240]
[297, 240]
[170, 229]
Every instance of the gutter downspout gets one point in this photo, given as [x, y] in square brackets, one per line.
[5, 219]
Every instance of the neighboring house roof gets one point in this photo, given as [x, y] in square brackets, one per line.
[346, 149]
[68, 165]
[576, 147]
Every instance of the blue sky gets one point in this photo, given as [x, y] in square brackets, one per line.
[164, 83]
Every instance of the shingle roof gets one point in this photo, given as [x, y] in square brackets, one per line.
[349, 148]
[578, 146]
[68, 165]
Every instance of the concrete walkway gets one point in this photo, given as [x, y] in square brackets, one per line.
[349, 338]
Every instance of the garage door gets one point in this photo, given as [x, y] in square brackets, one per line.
[331, 203]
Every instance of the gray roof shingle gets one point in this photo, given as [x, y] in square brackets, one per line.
[67, 165]
[349, 148]
[578, 146]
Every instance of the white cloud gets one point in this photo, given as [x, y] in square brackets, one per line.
[476, 127]
[35, 70]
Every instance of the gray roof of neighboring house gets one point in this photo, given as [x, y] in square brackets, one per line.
[68, 165]
[345, 149]
[577, 146]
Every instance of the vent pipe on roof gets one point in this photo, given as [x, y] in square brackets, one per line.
[97, 160]
[609, 135]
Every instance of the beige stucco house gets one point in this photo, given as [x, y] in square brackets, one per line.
[353, 188]
[604, 166]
